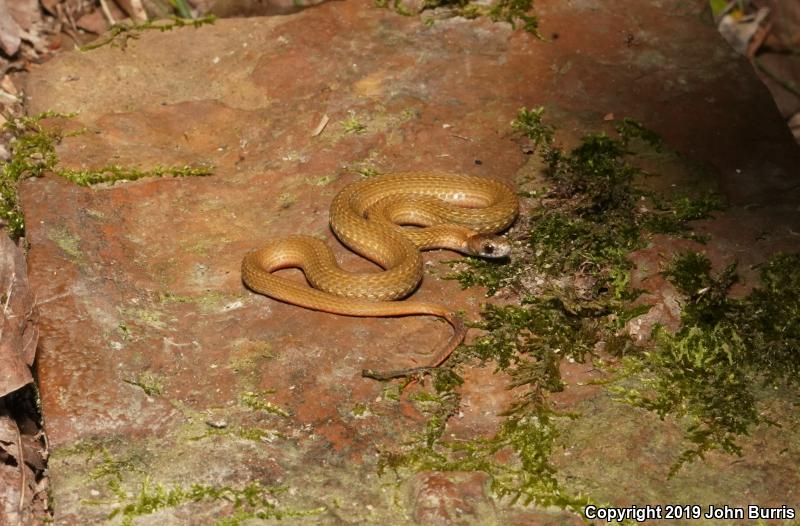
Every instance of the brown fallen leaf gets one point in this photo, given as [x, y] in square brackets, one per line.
[9, 31]
[93, 22]
[18, 333]
[7, 85]
[23, 486]
[25, 13]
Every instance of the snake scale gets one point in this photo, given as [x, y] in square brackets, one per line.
[450, 211]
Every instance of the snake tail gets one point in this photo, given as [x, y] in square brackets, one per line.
[257, 271]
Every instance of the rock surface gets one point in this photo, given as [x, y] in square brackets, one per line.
[152, 352]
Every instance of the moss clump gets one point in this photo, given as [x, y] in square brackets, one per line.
[491, 274]
[670, 218]
[33, 152]
[119, 34]
[589, 218]
[710, 371]
[251, 501]
[151, 384]
[570, 266]
[111, 467]
[131, 493]
[67, 242]
[114, 173]
[529, 341]
[254, 400]
[254, 434]
[515, 12]
[352, 125]
[528, 477]
[571, 270]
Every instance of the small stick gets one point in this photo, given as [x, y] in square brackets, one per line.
[138, 11]
[107, 12]
[22, 482]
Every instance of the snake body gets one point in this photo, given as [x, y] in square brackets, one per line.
[452, 211]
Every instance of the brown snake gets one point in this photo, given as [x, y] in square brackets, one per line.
[456, 212]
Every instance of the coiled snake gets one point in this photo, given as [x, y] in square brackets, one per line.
[456, 212]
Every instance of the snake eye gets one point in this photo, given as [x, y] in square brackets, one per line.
[488, 248]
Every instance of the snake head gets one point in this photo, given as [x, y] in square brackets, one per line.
[488, 246]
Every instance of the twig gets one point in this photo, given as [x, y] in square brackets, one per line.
[8, 292]
[785, 84]
[8, 301]
[22, 481]
[107, 12]
[758, 39]
[137, 11]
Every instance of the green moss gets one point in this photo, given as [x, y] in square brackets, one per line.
[709, 372]
[254, 400]
[251, 501]
[589, 217]
[360, 411]
[256, 434]
[491, 274]
[352, 125]
[527, 477]
[516, 13]
[569, 264]
[368, 171]
[325, 180]
[391, 392]
[33, 152]
[151, 384]
[110, 467]
[145, 316]
[119, 34]
[130, 493]
[286, 200]
[531, 124]
[114, 173]
[671, 217]
[629, 130]
[208, 302]
[66, 241]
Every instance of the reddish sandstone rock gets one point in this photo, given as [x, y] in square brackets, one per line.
[157, 364]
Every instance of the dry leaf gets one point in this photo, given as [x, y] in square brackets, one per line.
[22, 483]
[8, 86]
[25, 13]
[738, 32]
[18, 333]
[93, 22]
[9, 31]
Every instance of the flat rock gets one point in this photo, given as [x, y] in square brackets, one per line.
[156, 364]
